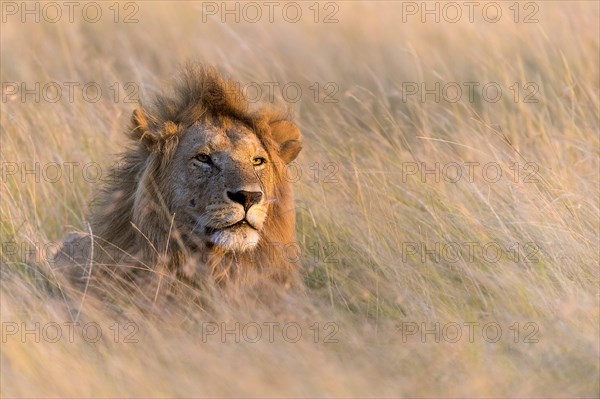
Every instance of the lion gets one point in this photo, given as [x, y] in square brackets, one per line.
[200, 191]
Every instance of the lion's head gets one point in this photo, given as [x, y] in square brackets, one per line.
[222, 181]
[203, 182]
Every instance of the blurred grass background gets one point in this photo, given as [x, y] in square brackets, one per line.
[356, 219]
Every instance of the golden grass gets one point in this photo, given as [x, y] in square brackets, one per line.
[372, 280]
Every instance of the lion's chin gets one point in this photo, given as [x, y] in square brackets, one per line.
[239, 239]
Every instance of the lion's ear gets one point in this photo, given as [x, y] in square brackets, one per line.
[140, 126]
[290, 150]
[287, 135]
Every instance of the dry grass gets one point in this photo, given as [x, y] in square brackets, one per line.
[369, 216]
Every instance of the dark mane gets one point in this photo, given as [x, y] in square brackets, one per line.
[202, 90]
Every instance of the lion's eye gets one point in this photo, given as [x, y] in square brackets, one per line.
[204, 158]
[258, 161]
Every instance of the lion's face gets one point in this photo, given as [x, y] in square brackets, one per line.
[222, 184]
[203, 178]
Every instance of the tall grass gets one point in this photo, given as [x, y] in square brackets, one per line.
[378, 233]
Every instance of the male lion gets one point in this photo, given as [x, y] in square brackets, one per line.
[201, 188]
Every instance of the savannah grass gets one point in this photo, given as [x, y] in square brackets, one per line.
[378, 233]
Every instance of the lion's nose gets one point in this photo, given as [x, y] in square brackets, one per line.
[246, 198]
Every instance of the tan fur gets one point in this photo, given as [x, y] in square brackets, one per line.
[143, 222]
